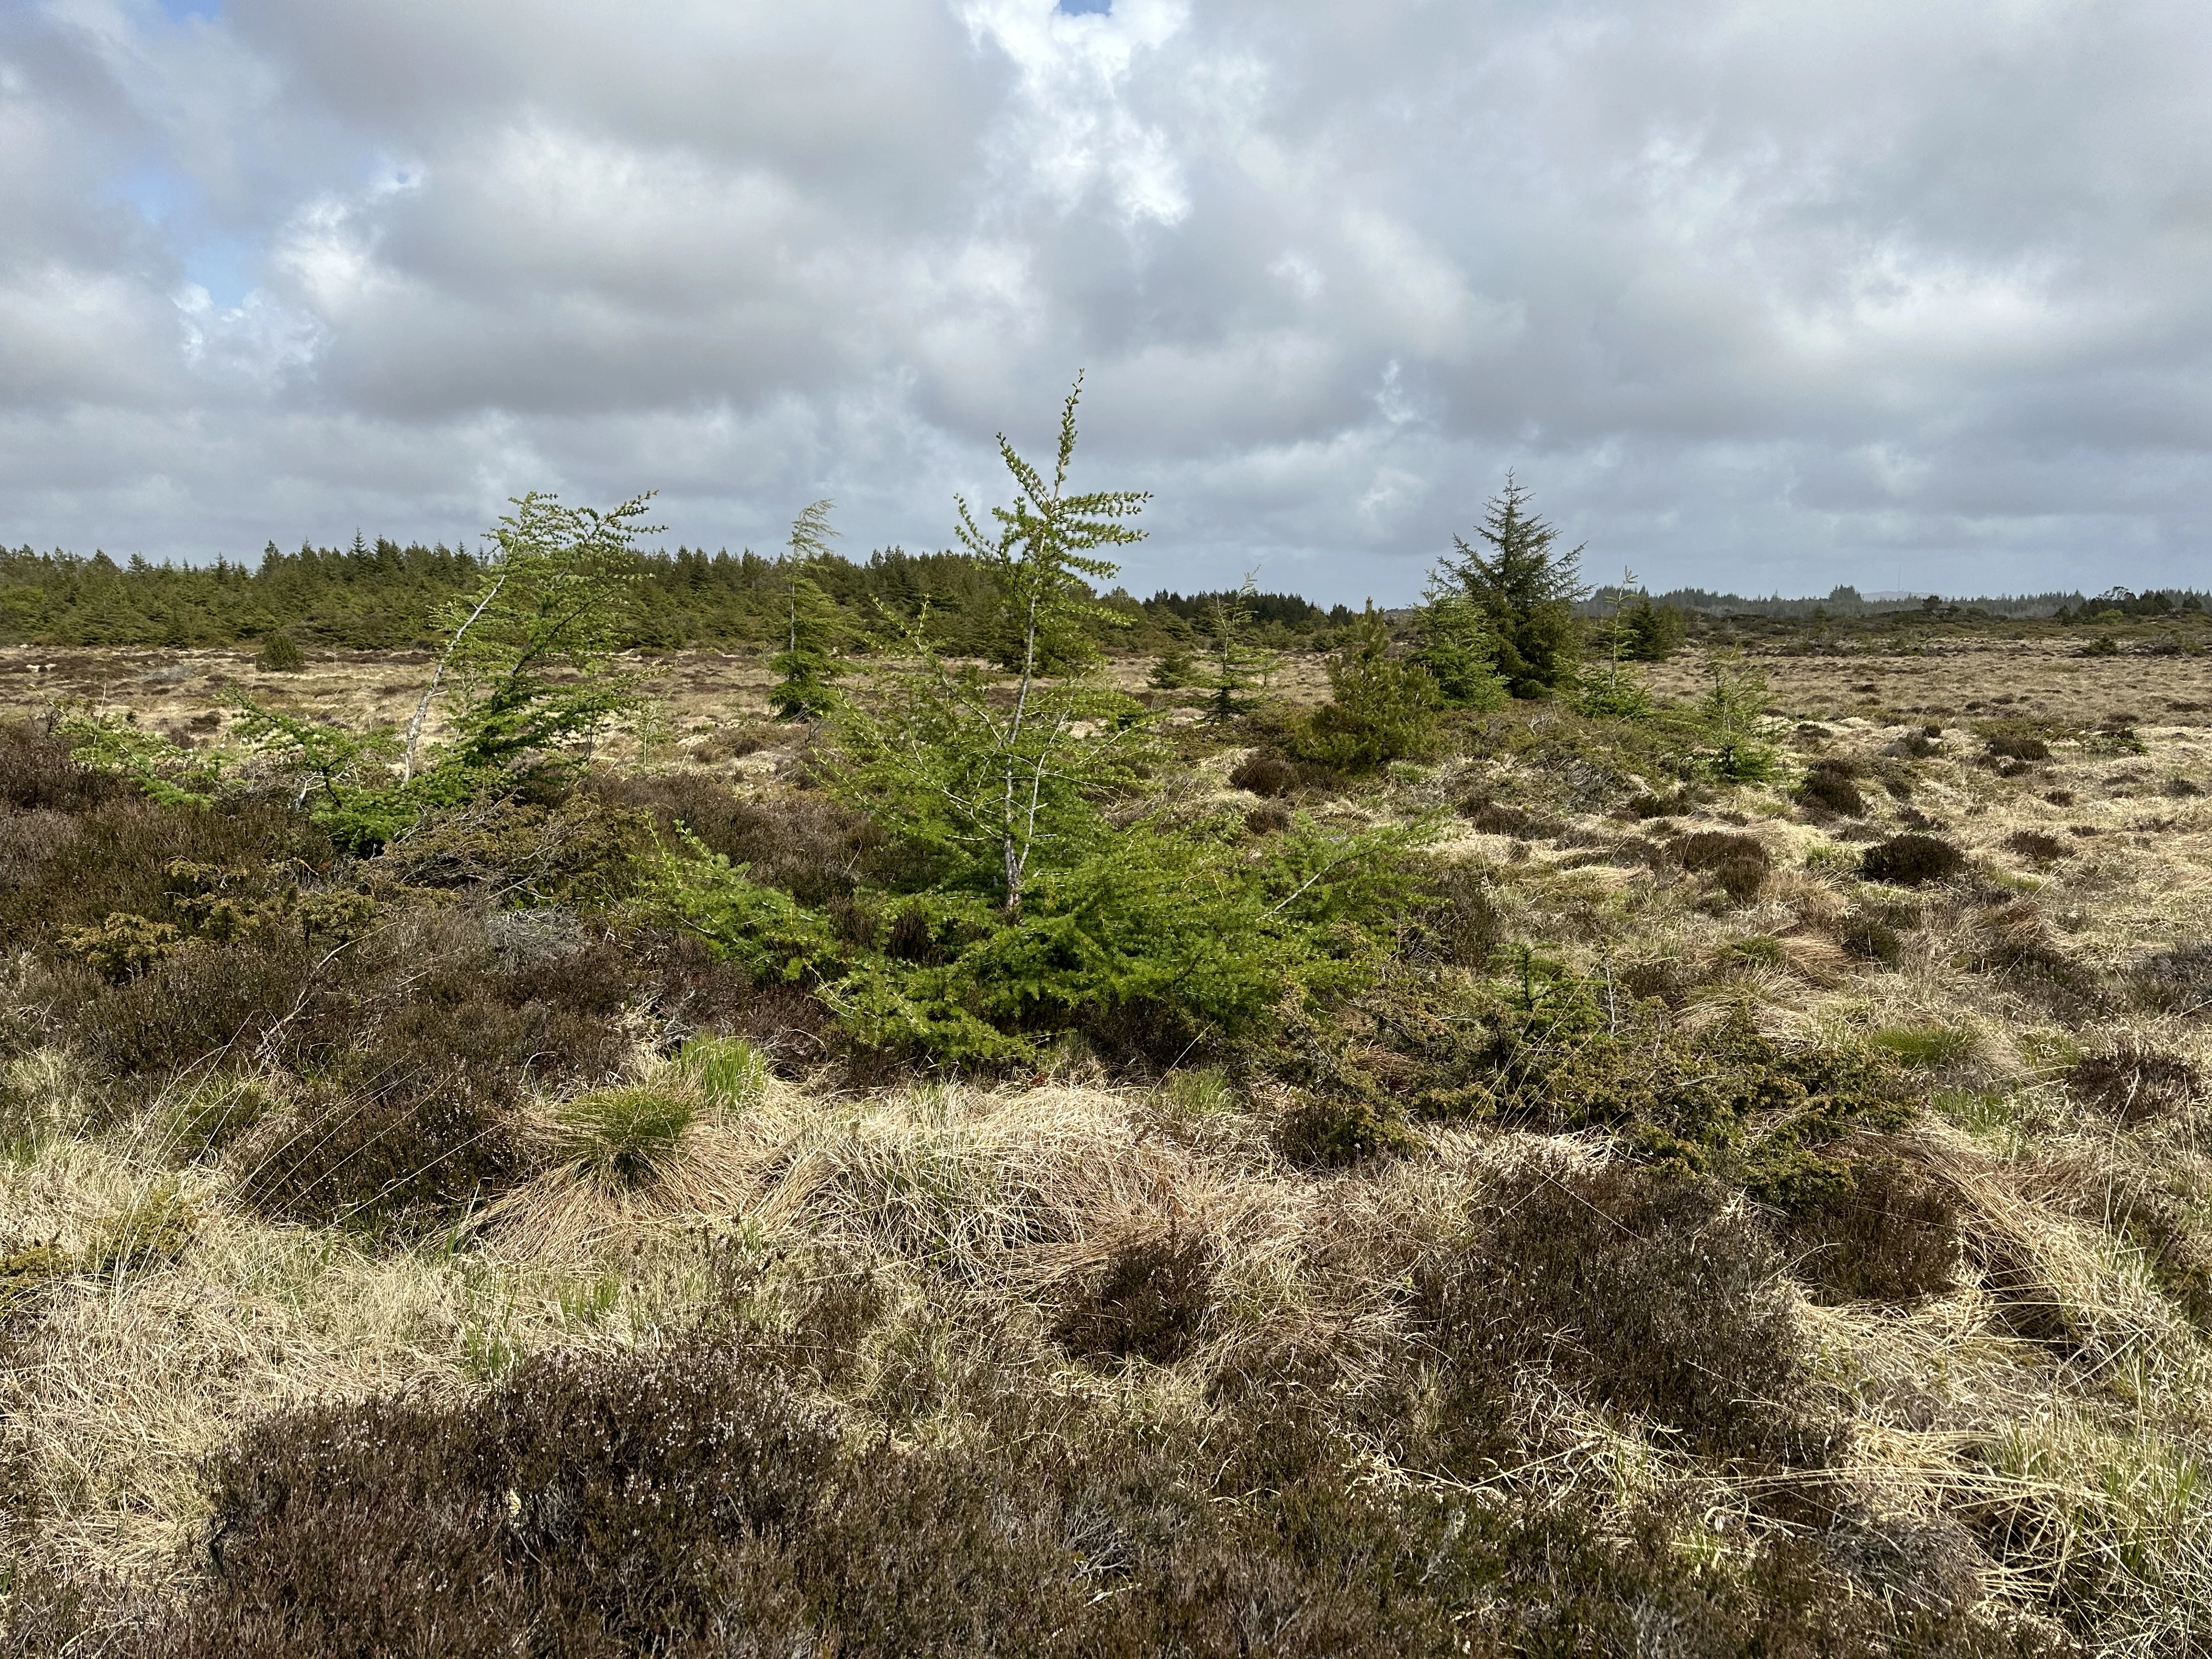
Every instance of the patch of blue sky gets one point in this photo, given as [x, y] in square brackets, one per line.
[168, 201]
[224, 266]
[159, 192]
[1083, 8]
[180, 11]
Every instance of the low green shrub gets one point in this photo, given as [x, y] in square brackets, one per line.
[280, 653]
[1562, 1054]
[1381, 708]
[1168, 933]
[1330, 1132]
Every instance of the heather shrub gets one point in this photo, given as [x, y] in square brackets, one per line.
[662, 1503]
[2036, 846]
[1460, 922]
[38, 773]
[192, 1006]
[1736, 863]
[1912, 861]
[1644, 1290]
[1889, 1233]
[1148, 1303]
[1492, 817]
[1870, 937]
[115, 857]
[400, 1161]
[2017, 746]
[1265, 773]
[577, 850]
[801, 841]
[1828, 787]
[2134, 1083]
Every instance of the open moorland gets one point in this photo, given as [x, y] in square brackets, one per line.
[1701, 1158]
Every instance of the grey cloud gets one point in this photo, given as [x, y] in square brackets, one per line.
[1755, 294]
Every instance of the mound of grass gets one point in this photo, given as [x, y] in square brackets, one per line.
[1912, 861]
[623, 1136]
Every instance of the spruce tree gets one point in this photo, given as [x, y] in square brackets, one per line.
[806, 686]
[1523, 588]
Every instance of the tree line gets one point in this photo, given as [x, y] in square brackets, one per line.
[382, 595]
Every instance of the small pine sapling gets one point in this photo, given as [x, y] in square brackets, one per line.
[1235, 665]
[1731, 716]
[1613, 697]
[806, 688]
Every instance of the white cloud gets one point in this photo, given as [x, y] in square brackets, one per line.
[1753, 293]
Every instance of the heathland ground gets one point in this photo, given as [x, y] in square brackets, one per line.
[1763, 1213]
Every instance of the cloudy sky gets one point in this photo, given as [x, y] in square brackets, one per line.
[1756, 294]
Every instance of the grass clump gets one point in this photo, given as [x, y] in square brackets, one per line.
[729, 1071]
[623, 1136]
[1924, 1047]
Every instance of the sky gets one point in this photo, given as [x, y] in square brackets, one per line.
[1765, 296]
